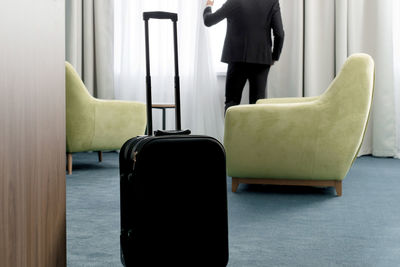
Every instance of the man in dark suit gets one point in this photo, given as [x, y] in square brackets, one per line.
[248, 44]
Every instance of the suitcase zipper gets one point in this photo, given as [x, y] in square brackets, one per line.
[134, 159]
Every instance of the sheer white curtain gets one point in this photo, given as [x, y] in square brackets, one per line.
[320, 35]
[202, 103]
[286, 76]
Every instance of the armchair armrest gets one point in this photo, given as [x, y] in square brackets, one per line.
[287, 100]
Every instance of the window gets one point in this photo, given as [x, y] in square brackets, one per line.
[217, 37]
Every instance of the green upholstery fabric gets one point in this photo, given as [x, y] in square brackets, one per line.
[96, 125]
[314, 138]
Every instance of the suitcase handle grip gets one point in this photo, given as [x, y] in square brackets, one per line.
[160, 15]
[169, 133]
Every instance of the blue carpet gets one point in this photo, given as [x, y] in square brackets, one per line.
[268, 225]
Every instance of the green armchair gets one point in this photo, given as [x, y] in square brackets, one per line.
[309, 141]
[97, 125]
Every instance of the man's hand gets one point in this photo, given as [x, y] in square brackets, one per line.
[210, 2]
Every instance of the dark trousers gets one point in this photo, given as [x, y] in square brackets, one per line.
[237, 75]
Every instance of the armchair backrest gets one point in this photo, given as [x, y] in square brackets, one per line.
[347, 104]
[80, 112]
[75, 88]
[354, 82]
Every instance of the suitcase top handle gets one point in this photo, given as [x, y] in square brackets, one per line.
[160, 15]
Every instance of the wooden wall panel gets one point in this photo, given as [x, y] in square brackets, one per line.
[32, 133]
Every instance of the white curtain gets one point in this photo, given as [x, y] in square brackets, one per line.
[320, 35]
[396, 56]
[202, 103]
[286, 76]
[89, 44]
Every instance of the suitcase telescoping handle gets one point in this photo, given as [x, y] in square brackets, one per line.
[174, 18]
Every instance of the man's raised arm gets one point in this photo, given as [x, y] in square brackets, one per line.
[225, 11]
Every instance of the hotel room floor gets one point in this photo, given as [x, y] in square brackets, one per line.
[268, 225]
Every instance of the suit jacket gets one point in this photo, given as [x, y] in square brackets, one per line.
[250, 23]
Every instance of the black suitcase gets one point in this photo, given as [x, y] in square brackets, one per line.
[173, 191]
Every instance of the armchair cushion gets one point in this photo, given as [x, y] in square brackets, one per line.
[117, 121]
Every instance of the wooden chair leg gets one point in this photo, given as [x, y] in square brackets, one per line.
[235, 184]
[69, 163]
[338, 187]
[100, 156]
